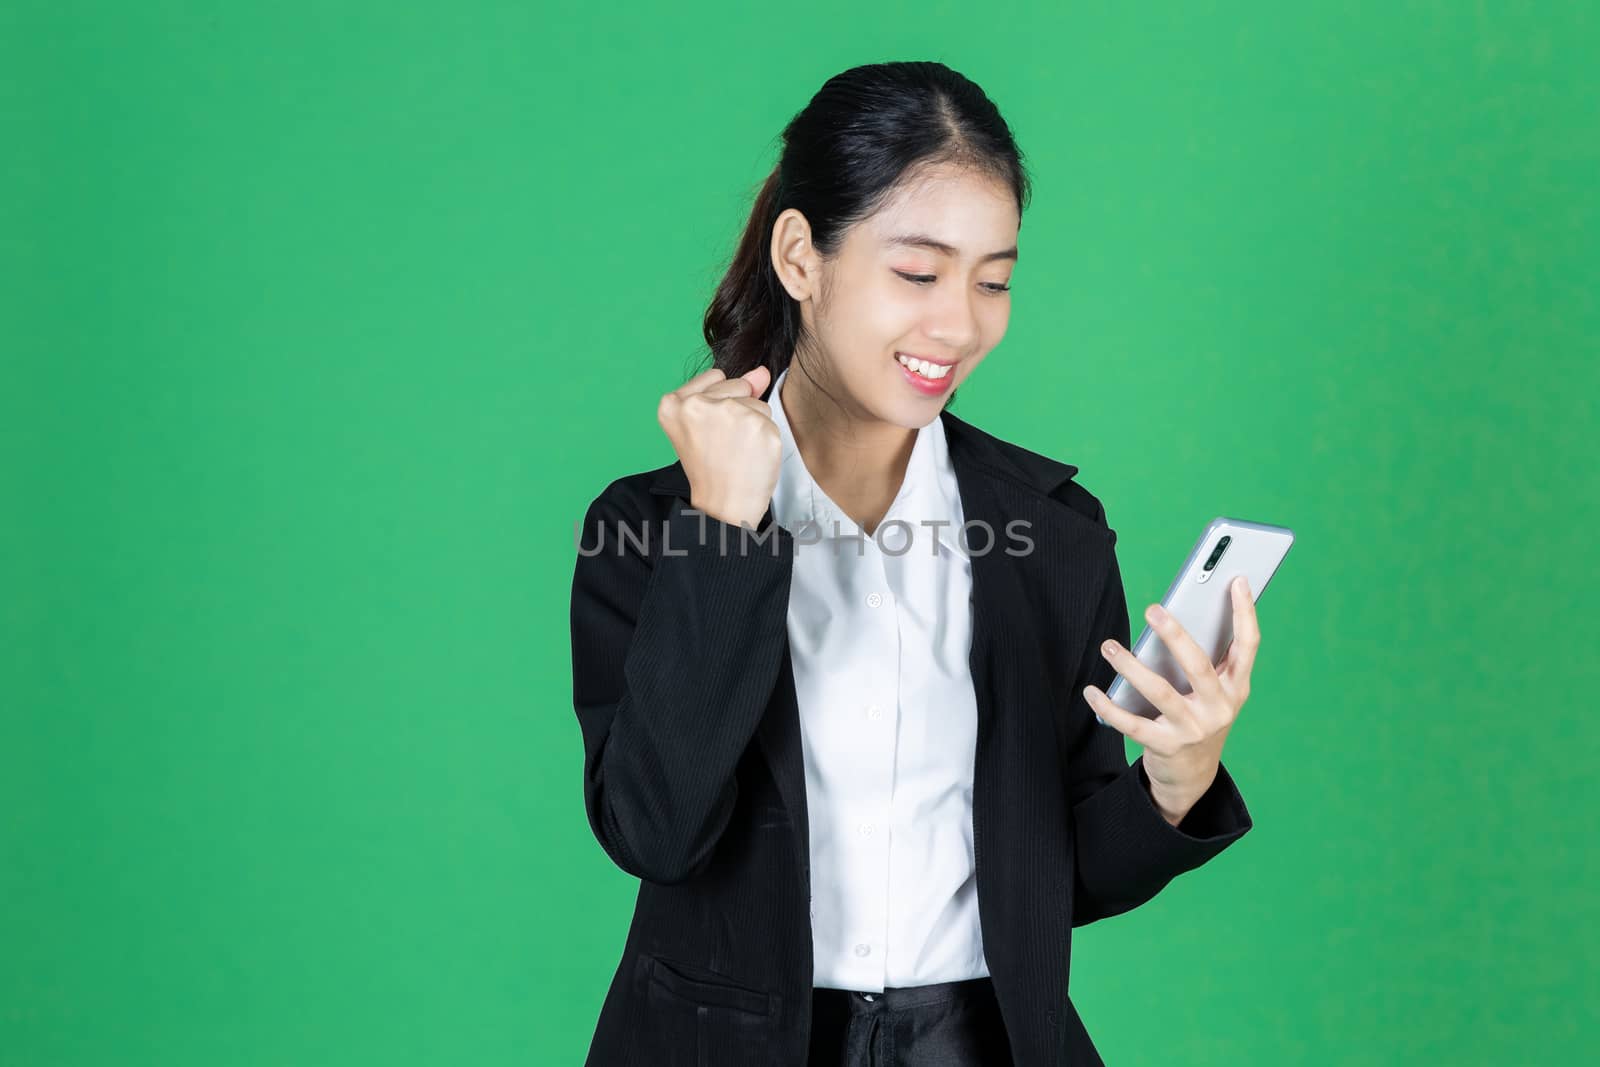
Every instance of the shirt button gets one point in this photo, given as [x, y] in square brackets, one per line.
[862, 950]
[866, 829]
[874, 600]
[874, 712]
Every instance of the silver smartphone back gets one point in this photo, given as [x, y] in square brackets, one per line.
[1199, 599]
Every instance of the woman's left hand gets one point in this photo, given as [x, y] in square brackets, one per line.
[1183, 747]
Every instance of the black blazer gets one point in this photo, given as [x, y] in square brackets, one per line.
[693, 778]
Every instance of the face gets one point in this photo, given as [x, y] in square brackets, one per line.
[925, 277]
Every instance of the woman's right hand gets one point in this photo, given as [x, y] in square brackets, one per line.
[727, 441]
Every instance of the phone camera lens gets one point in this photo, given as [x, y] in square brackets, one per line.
[1216, 553]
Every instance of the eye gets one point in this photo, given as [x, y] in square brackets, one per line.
[925, 279]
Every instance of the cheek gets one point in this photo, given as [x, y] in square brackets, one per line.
[891, 302]
[970, 366]
[992, 326]
[993, 321]
[876, 317]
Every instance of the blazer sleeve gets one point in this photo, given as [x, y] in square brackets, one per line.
[674, 659]
[1126, 850]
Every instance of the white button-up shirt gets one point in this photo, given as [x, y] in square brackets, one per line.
[880, 631]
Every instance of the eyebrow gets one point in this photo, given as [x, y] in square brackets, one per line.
[922, 240]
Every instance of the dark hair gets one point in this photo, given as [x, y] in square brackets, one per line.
[865, 130]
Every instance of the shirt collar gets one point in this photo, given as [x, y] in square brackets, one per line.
[928, 491]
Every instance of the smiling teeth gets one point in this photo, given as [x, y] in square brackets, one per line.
[931, 371]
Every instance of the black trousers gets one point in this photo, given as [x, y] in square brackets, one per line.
[951, 1024]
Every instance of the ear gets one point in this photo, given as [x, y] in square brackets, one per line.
[794, 258]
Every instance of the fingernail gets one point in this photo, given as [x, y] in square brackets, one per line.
[1110, 647]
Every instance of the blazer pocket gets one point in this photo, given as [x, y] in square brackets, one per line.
[701, 986]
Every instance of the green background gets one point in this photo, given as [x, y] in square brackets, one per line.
[322, 324]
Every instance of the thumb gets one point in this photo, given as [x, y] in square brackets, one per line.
[759, 378]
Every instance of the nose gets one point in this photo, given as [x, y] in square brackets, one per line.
[952, 321]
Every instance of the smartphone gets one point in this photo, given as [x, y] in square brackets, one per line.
[1200, 600]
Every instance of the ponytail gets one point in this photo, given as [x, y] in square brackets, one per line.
[752, 321]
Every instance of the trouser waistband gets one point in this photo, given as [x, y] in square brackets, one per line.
[898, 999]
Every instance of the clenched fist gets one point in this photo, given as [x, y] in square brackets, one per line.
[728, 443]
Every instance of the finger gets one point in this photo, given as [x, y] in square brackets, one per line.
[1156, 689]
[1246, 631]
[760, 407]
[1194, 660]
[1147, 732]
[715, 384]
[700, 382]
[729, 389]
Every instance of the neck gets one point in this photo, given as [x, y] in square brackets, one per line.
[859, 461]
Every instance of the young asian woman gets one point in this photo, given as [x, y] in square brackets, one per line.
[837, 666]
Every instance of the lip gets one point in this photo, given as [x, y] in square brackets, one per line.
[923, 385]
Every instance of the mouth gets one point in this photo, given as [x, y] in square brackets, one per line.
[926, 369]
[924, 375]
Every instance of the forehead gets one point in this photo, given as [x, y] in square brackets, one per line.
[974, 212]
